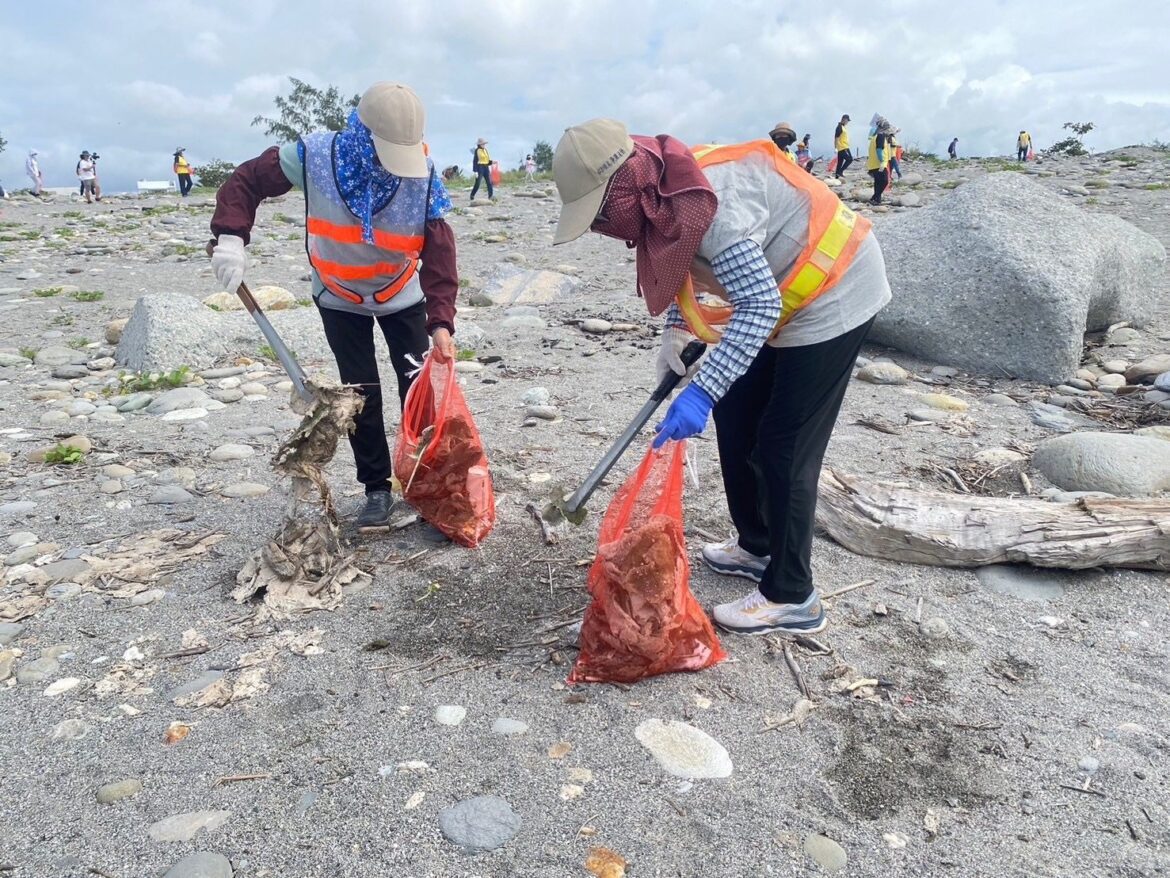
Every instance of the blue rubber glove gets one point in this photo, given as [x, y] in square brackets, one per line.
[686, 417]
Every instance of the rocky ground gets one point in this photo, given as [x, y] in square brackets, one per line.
[993, 722]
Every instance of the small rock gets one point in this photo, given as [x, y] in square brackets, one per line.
[829, 855]
[22, 538]
[110, 486]
[1148, 369]
[122, 789]
[1089, 764]
[62, 591]
[114, 330]
[66, 569]
[468, 367]
[135, 401]
[186, 414]
[1111, 380]
[232, 451]
[9, 631]
[943, 402]
[450, 714]
[1125, 465]
[60, 687]
[1157, 432]
[183, 827]
[166, 495]
[683, 750]
[1051, 622]
[16, 508]
[202, 864]
[936, 628]
[1115, 367]
[1122, 337]
[505, 726]
[998, 456]
[536, 396]
[176, 400]
[596, 326]
[243, 490]
[253, 388]
[145, 598]
[480, 824]
[883, 373]
[37, 671]
[70, 730]
[543, 412]
[117, 471]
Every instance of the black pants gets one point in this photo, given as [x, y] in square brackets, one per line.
[773, 426]
[1021, 153]
[485, 175]
[844, 160]
[184, 184]
[881, 179]
[351, 338]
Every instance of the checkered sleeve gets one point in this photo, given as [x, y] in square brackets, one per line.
[747, 277]
[674, 318]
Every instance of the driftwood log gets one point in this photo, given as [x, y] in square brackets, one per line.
[960, 530]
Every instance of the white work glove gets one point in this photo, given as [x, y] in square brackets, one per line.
[228, 261]
[674, 339]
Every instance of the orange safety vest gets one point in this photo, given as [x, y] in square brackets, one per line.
[368, 275]
[834, 234]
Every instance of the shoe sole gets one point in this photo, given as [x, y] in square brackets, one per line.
[774, 629]
[373, 528]
[740, 570]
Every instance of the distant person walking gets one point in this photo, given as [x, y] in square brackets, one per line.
[1023, 146]
[182, 169]
[530, 168]
[481, 165]
[33, 169]
[895, 154]
[86, 174]
[97, 180]
[953, 149]
[878, 165]
[841, 144]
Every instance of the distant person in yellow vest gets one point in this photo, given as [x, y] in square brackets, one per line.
[805, 279]
[784, 135]
[881, 149]
[182, 169]
[841, 144]
[1023, 146]
[482, 166]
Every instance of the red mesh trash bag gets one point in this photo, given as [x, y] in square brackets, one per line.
[642, 619]
[439, 458]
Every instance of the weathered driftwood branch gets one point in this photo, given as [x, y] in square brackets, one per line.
[961, 530]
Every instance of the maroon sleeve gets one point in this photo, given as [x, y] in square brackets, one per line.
[238, 198]
[439, 275]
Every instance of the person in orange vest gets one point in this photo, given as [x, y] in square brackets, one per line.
[380, 251]
[804, 279]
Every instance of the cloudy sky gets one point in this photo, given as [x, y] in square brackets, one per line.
[133, 80]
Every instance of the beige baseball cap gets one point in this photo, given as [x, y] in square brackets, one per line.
[395, 116]
[586, 157]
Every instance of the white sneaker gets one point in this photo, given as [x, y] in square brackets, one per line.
[755, 614]
[728, 558]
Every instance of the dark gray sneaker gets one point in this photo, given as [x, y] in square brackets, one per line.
[376, 514]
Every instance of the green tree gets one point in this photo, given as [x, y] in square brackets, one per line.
[3, 143]
[542, 154]
[214, 173]
[307, 109]
[1073, 146]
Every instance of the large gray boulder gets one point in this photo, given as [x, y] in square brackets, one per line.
[1004, 276]
[167, 330]
[1116, 463]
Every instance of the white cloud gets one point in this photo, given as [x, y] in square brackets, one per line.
[515, 71]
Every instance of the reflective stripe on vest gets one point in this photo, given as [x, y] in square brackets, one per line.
[834, 234]
[350, 268]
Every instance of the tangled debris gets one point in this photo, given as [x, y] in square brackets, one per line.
[304, 566]
[117, 568]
